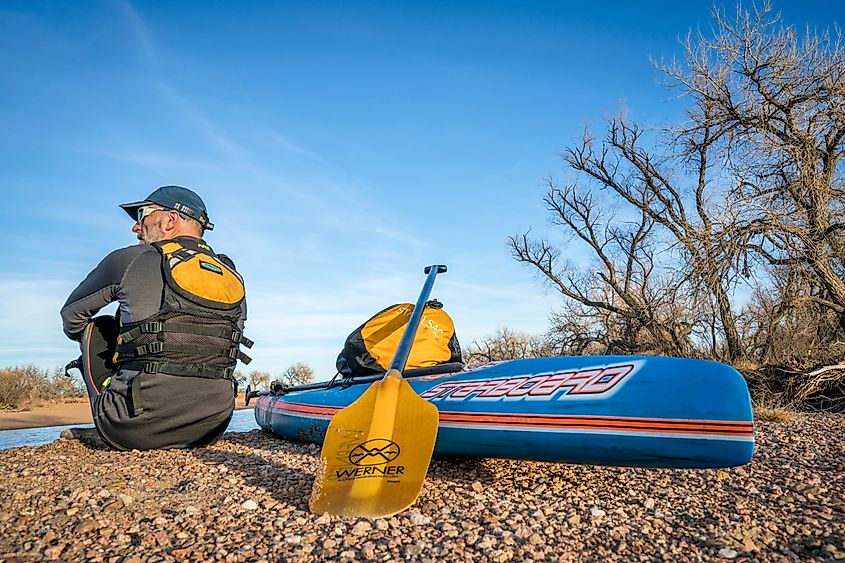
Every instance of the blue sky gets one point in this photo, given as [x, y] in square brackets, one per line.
[339, 146]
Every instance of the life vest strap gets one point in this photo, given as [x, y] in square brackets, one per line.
[181, 370]
[158, 347]
[156, 327]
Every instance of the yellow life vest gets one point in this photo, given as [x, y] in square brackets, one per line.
[196, 331]
[195, 272]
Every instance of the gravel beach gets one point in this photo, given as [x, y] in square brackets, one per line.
[245, 499]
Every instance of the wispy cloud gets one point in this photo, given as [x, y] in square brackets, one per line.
[285, 143]
[140, 32]
[162, 163]
[214, 134]
[225, 139]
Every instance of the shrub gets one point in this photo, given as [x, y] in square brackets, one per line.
[27, 386]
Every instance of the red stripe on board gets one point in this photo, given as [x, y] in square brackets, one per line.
[634, 424]
[301, 408]
[576, 424]
[621, 423]
[631, 419]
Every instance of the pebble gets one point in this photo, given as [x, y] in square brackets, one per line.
[54, 551]
[361, 527]
[486, 541]
[727, 553]
[166, 505]
[418, 519]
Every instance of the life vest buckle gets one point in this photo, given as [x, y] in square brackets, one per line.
[238, 338]
[151, 348]
[151, 367]
[152, 327]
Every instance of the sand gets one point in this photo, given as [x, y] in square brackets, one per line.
[59, 414]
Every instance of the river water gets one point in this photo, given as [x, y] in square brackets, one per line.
[243, 420]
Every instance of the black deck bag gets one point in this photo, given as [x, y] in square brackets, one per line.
[370, 348]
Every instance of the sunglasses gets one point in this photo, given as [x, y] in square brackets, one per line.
[146, 210]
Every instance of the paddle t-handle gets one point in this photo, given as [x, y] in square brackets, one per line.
[407, 341]
[441, 269]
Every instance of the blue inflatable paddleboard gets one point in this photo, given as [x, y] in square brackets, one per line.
[636, 411]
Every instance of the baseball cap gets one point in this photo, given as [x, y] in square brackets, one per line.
[177, 198]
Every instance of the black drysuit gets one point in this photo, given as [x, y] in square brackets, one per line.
[140, 410]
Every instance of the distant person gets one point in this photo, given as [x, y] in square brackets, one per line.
[160, 374]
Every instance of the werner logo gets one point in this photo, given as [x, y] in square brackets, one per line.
[374, 452]
[590, 382]
[371, 458]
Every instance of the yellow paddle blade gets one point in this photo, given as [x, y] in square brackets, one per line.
[376, 452]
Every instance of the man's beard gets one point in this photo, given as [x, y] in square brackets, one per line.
[151, 233]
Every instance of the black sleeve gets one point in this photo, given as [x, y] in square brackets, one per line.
[96, 291]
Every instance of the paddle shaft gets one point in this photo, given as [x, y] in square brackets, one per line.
[389, 420]
[366, 493]
[407, 341]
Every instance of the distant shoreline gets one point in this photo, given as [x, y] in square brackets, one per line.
[59, 414]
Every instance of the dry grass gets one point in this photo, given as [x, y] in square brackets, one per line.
[774, 414]
[770, 407]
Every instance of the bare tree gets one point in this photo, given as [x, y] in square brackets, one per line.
[632, 301]
[299, 373]
[239, 377]
[671, 217]
[259, 379]
[776, 100]
[507, 344]
[777, 97]
[748, 191]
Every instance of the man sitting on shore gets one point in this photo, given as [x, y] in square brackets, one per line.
[176, 336]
